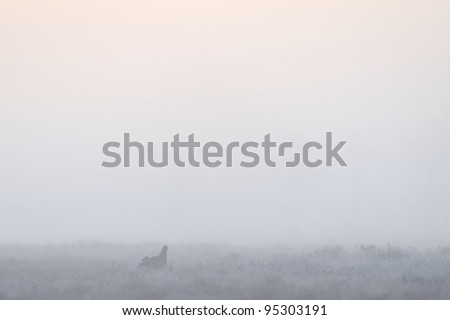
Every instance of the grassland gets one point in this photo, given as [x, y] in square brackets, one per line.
[108, 271]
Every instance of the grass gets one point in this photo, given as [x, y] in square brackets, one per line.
[106, 271]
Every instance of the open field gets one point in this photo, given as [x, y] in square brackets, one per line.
[107, 271]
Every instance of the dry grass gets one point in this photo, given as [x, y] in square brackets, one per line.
[100, 271]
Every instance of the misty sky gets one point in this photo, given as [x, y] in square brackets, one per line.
[76, 74]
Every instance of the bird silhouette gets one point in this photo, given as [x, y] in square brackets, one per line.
[156, 262]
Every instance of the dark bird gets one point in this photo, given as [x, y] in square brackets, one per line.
[156, 262]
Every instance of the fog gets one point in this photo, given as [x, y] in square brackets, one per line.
[77, 74]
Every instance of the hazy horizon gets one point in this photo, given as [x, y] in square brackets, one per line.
[77, 74]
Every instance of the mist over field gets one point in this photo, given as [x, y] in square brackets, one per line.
[109, 271]
[75, 74]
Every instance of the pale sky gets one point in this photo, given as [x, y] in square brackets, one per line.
[76, 74]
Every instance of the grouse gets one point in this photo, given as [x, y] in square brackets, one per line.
[156, 262]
